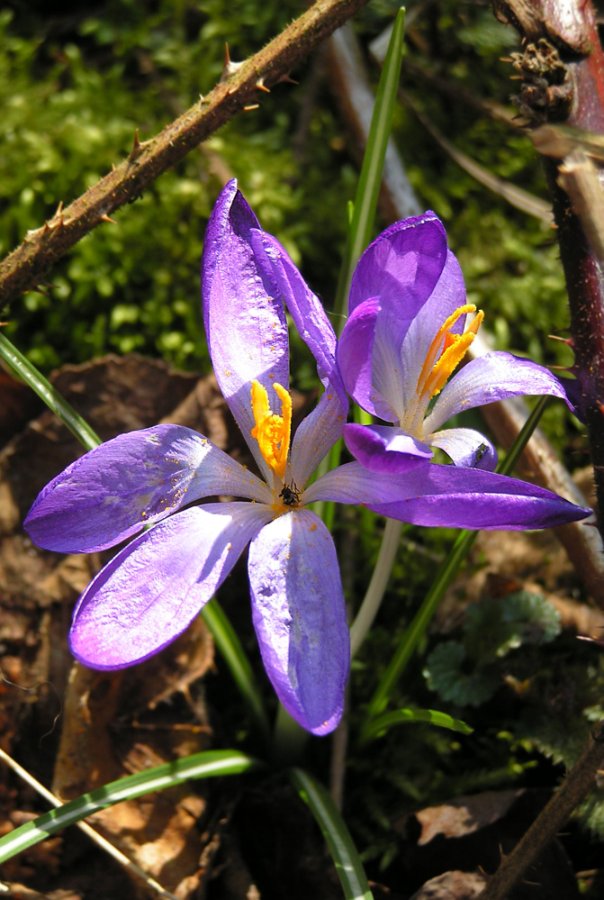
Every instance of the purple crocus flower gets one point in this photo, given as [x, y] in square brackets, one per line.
[409, 328]
[153, 588]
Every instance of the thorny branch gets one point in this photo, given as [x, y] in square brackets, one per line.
[562, 67]
[24, 268]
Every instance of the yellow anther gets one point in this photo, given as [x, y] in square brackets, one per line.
[446, 351]
[273, 432]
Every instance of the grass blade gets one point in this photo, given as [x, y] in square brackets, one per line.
[234, 655]
[27, 372]
[370, 179]
[337, 837]
[362, 220]
[209, 764]
[409, 716]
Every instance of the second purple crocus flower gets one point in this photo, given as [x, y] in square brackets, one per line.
[153, 588]
[409, 328]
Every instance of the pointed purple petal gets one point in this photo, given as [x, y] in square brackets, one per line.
[457, 497]
[466, 447]
[435, 495]
[300, 618]
[151, 591]
[415, 282]
[382, 448]
[245, 324]
[134, 480]
[495, 376]
[316, 434]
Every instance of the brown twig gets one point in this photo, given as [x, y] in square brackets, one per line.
[562, 69]
[575, 787]
[26, 266]
[580, 180]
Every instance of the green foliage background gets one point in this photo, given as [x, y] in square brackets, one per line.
[75, 86]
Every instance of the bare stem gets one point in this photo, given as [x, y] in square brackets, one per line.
[24, 268]
[575, 787]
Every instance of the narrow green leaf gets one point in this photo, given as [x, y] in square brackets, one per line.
[370, 179]
[362, 214]
[27, 372]
[409, 716]
[209, 764]
[337, 837]
[419, 624]
[238, 663]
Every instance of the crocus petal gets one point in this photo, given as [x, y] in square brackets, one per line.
[316, 434]
[300, 618]
[131, 481]
[382, 448]
[150, 592]
[457, 497]
[373, 379]
[495, 376]
[353, 483]
[405, 259]
[447, 496]
[245, 324]
[466, 447]
[305, 308]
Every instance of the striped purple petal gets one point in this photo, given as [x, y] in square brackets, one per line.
[305, 308]
[134, 480]
[151, 591]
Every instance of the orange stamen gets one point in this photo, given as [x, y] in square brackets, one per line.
[446, 351]
[273, 432]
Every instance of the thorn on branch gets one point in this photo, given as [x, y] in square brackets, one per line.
[43, 289]
[556, 337]
[251, 106]
[260, 86]
[229, 67]
[137, 146]
[105, 218]
[57, 221]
